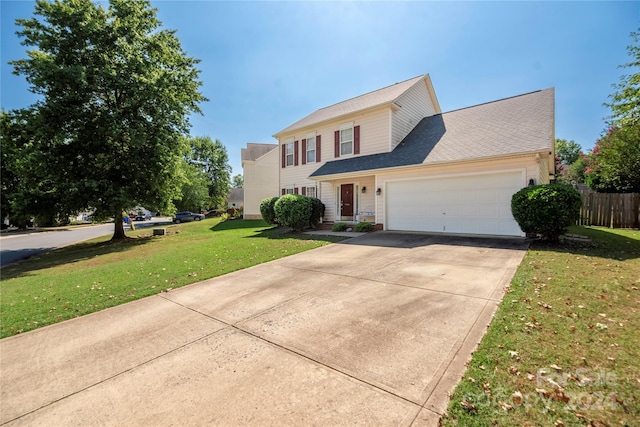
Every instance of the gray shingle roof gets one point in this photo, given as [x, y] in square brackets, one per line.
[256, 150]
[521, 124]
[378, 97]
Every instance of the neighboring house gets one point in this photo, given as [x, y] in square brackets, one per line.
[235, 198]
[260, 175]
[393, 158]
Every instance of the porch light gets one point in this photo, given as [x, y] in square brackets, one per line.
[364, 190]
[379, 191]
[532, 182]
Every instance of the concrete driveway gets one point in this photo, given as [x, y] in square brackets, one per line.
[371, 331]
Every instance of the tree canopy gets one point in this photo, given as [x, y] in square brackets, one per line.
[237, 181]
[116, 94]
[614, 163]
[567, 151]
[625, 101]
[211, 158]
[569, 162]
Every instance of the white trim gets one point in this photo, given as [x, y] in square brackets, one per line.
[347, 175]
[523, 171]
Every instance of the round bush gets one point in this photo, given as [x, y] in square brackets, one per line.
[293, 210]
[267, 210]
[364, 227]
[339, 226]
[317, 212]
[547, 209]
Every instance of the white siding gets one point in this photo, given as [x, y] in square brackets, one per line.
[544, 171]
[415, 104]
[260, 182]
[374, 138]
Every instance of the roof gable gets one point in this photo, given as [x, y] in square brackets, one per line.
[256, 150]
[517, 125]
[369, 100]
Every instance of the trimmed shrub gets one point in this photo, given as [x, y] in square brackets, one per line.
[267, 210]
[317, 212]
[339, 226]
[547, 209]
[293, 210]
[364, 227]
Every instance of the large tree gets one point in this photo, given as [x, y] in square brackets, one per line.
[194, 190]
[237, 181]
[614, 163]
[567, 151]
[211, 158]
[567, 154]
[116, 94]
[625, 101]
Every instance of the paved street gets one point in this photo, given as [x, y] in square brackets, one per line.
[19, 245]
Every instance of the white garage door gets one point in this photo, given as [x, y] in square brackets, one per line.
[470, 204]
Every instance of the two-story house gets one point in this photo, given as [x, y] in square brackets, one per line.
[393, 158]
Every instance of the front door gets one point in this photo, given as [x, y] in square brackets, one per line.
[346, 201]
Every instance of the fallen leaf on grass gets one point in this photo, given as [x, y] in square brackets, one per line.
[543, 392]
[469, 406]
[513, 353]
[486, 387]
[558, 423]
[531, 377]
[505, 406]
[513, 370]
[556, 367]
[516, 398]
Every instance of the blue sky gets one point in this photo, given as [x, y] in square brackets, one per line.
[267, 64]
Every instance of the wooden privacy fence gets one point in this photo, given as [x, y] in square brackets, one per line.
[612, 210]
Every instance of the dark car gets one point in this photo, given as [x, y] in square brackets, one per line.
[186, 217]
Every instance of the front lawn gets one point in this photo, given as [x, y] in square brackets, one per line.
[97, 274]
[564, 346]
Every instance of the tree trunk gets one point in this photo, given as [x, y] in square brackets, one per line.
[118, 231]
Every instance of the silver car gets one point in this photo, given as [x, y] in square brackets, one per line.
[186, 217]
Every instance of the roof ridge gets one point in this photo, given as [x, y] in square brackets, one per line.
[497, 100]
[370, 92]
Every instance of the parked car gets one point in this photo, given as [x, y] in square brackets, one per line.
[186, 217]
[140, 218]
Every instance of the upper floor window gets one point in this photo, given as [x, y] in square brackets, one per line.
[346, 141]
[311, 148]
[289, 153]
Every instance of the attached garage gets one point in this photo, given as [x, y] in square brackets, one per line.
[466, 204]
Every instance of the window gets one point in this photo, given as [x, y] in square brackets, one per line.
[289, 154]
[346, 141]
[310, 192]
[311, 149]
[288, 190]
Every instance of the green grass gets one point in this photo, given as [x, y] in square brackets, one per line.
[97, 274]
[564, 346]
